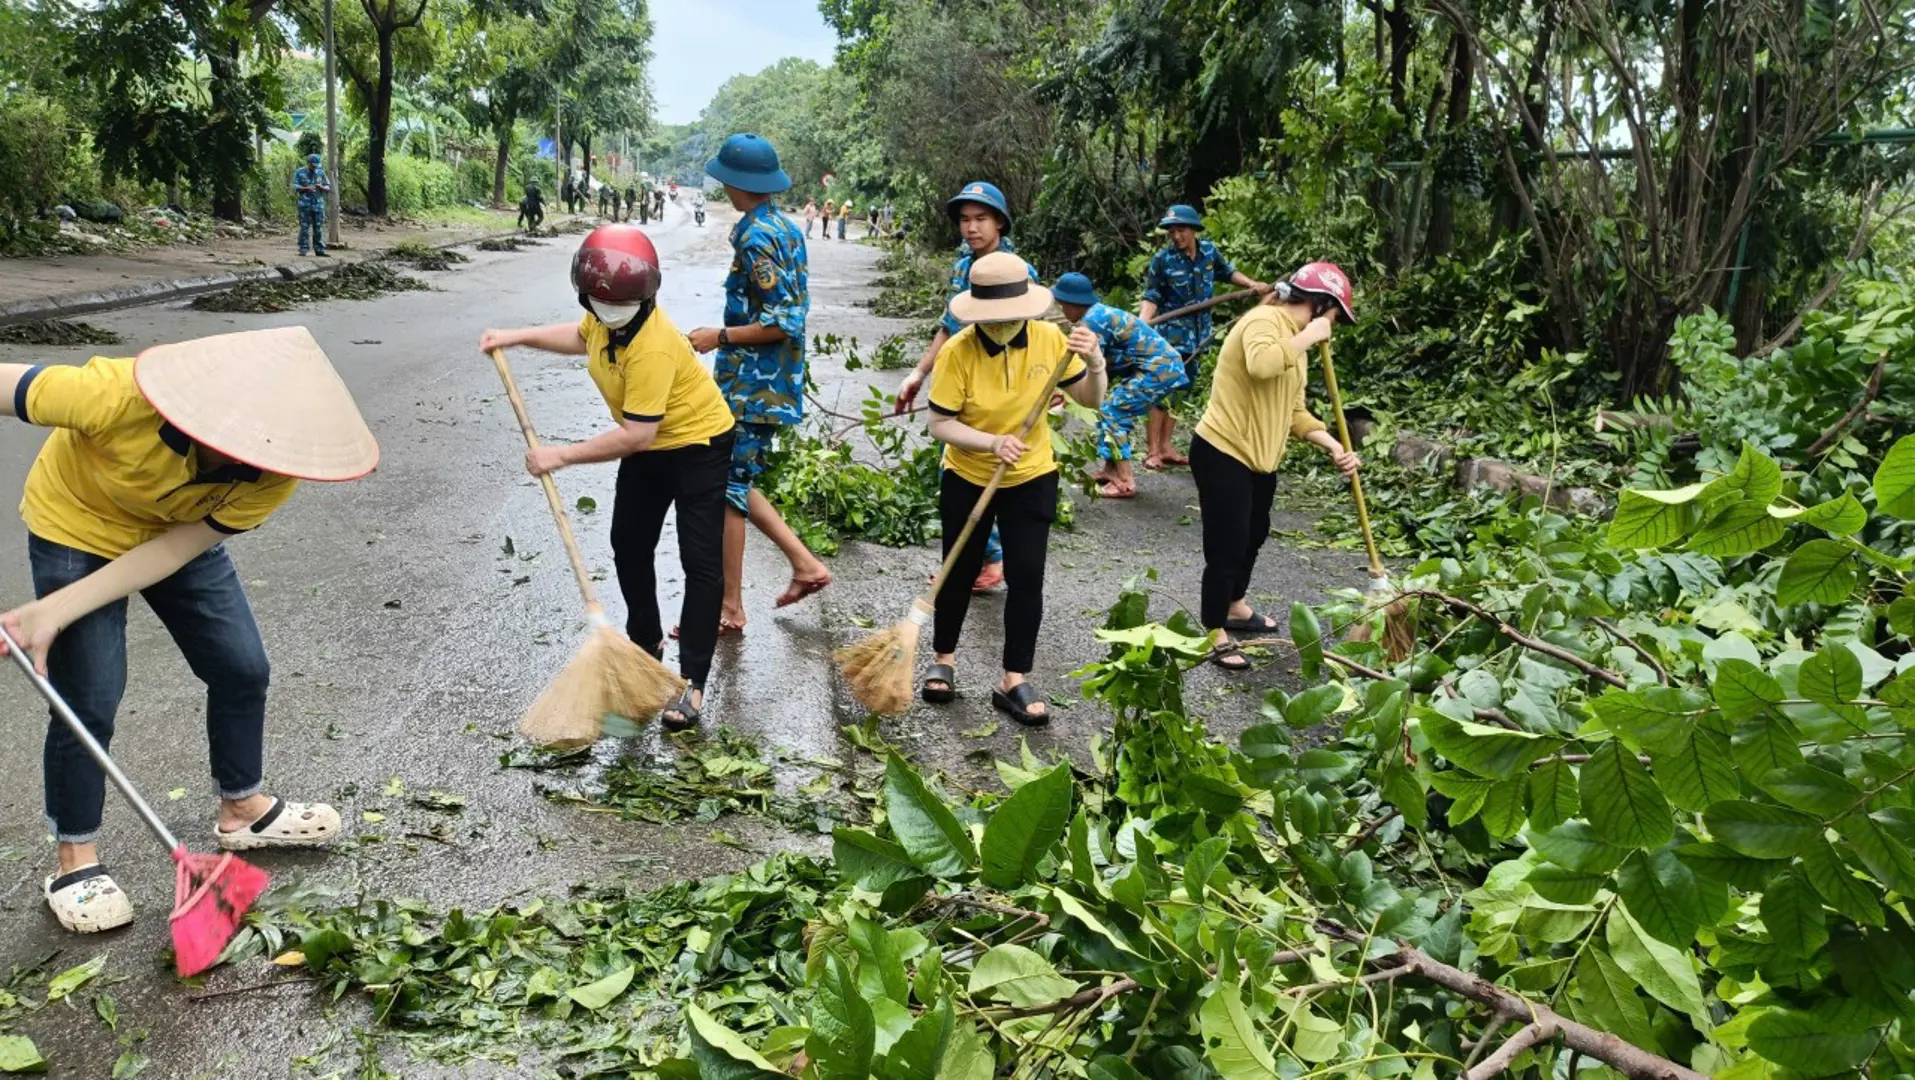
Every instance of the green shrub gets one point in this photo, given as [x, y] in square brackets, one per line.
[475, 180]
[38, 158]
[269, 192]
[310, 143]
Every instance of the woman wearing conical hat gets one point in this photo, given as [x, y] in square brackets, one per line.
[152, 463]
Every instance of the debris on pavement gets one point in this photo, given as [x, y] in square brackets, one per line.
[355, 281]
[57, 332]
[423, 256]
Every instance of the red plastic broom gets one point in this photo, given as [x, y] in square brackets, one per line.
[212, 893]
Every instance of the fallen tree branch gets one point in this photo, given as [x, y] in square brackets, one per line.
[1488, 716]
[1870, 391]
[1610, 628]
[1534, 644]
[1386, 975]
[1206, 305]
[1535, 1034]
[1370, 831]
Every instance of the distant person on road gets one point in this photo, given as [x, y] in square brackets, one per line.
[532, 207]
[811, 216]
[120, 499]
[631, 198]
[672, 440]
[310, 185]
[658, 203]
[871, 223]
[604, 198]
[1183, 272]
[565, 193]
[844, 217]
[1144, 370]
[761, 360]
[830, 209]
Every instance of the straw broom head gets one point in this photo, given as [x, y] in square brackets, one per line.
[610, 675]
[879, 667]
[1399, 637]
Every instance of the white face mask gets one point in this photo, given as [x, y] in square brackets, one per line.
[614, 316]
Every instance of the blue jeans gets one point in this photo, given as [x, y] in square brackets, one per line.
[204, 608]
[312, 219]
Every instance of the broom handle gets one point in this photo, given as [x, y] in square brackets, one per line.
[584, 577]
[92, 745]
[1035, 418]
[1356, 482]
[1206, 305]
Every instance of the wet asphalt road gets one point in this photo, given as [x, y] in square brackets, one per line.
[405, 643]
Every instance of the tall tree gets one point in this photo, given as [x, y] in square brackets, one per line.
[493, 73]
[376, 41]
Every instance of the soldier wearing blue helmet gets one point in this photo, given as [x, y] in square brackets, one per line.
[1144, 370]
[310, 185]
[1183, 272]
[761, 360]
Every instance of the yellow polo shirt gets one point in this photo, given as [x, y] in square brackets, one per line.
[991, 387]
[114, 474]
[1256, 396]
[656, 378]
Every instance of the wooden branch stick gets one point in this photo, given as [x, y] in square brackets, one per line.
[1370, 831]
[1384, 975]
[999, 909]
[1535, 1034]
[1534, 644]
[1206, 305]
[1870, 391]
[1610, 629]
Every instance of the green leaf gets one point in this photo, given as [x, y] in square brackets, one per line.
[1652, 717]
[1756, 478]
[1876, 843]
[130, 1064]
[1503, 807]
[1664, 971]
[1313, 706]
[1719, 862]
[880, 963]
[1204, 861]
[1621, 800]
[1661, 893]
[1083, 865]
[1761, 831]
[1766, 744]
[1742, 529]
[1019, 976]
[1076, 909]
[1744, 692]
[1803, 1041]
[1232, 1044]
[721, 1055]
[1484, 750]
[1811, 790]
[597, 995]
[1026, 826]
[1307, 636]
[546, 984]
[1573, 845]
[1265, 741]
[1832, 677]
[969, 1057]
[1697, 770]
[843, 1034]
[918, 1052]
[1322, 768]
[1112, 1067]
[1563, 886]
[1553, 798]
[70, 980]
[1820, 571]
[1838, 886]
[1901, 616]
[1792, 914]
[924, 826]
[1895, 480]
[19, 1055]
[1652, 519]
[1609, 998]
[586, 504]
[1314, 1039]
[1840, 516]
[869, 861]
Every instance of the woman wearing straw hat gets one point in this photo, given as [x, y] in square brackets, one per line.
[1256, 406]
[1183, 272]
[1144, 370]
[986, 380]
[152, 463]
[672, 441]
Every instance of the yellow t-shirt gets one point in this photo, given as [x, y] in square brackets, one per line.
[991, 387]
[1256, 396]
[656, 378]
[114, 474]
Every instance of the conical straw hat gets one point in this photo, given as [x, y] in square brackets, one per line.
[268, 398]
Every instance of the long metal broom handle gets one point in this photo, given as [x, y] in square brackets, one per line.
[93, 747]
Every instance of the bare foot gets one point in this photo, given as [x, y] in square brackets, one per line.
[989, 578]
[1172, 457]
[803, 585]
[1117, 489]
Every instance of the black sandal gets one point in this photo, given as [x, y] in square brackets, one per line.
[1220, 655]
[1017, 701]
[945, 674]
[680, 715]
[1253, 623]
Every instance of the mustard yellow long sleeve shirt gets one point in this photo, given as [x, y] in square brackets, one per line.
[1256, 397]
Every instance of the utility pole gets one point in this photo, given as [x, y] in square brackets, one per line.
[558, 135]
[332, 138]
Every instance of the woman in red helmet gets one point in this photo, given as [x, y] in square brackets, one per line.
[1256, 406]
[672, 443]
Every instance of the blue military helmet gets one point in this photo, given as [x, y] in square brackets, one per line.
[748, 163]
[312, 159]
[1182, 214]
[983, 194]
[1074, 288]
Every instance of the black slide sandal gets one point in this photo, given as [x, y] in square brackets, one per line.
[1221, 656]
[1255, 623]
[1017, 701]
[945, 674]
[680, 715]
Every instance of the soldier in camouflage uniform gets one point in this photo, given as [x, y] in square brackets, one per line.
[1144, 370]
[761, 360]
[1183, 272]
[310, 185]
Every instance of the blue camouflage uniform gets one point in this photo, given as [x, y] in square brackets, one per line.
[960, 281]
[1144, 370]
[763, 384]
[312, 207]
[1175, 281]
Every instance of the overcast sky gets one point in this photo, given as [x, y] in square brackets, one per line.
[697, 45]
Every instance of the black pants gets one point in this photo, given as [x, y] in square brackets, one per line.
[1235, 503]
[1023, 516]
[649, 483]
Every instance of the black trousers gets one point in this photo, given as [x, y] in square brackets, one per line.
[650, 483]
[1023, 516]
[1235, 503]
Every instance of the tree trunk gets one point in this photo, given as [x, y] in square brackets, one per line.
[381, 120]
[585, 158]
[229, 167]
[504, 133]
[1442, 234]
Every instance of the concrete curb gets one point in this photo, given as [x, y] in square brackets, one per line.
[158, 292]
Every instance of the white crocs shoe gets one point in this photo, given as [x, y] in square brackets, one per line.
[287, 824]
[87, 901]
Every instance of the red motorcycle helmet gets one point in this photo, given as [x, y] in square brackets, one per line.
[1326, 280]
[616, 264]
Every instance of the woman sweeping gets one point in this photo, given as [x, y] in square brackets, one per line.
[1256, 406]
[1144, 370]
[986, 380]
[152, 463]
[672, 442]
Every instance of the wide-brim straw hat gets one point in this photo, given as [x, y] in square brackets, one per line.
[1001, 291]
[267, 398]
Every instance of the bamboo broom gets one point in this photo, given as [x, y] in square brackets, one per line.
[1399, 638]
[610, 675]
[879, 668]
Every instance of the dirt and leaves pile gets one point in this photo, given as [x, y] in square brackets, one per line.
[355, 281]
[419, 255]
[57, 332]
